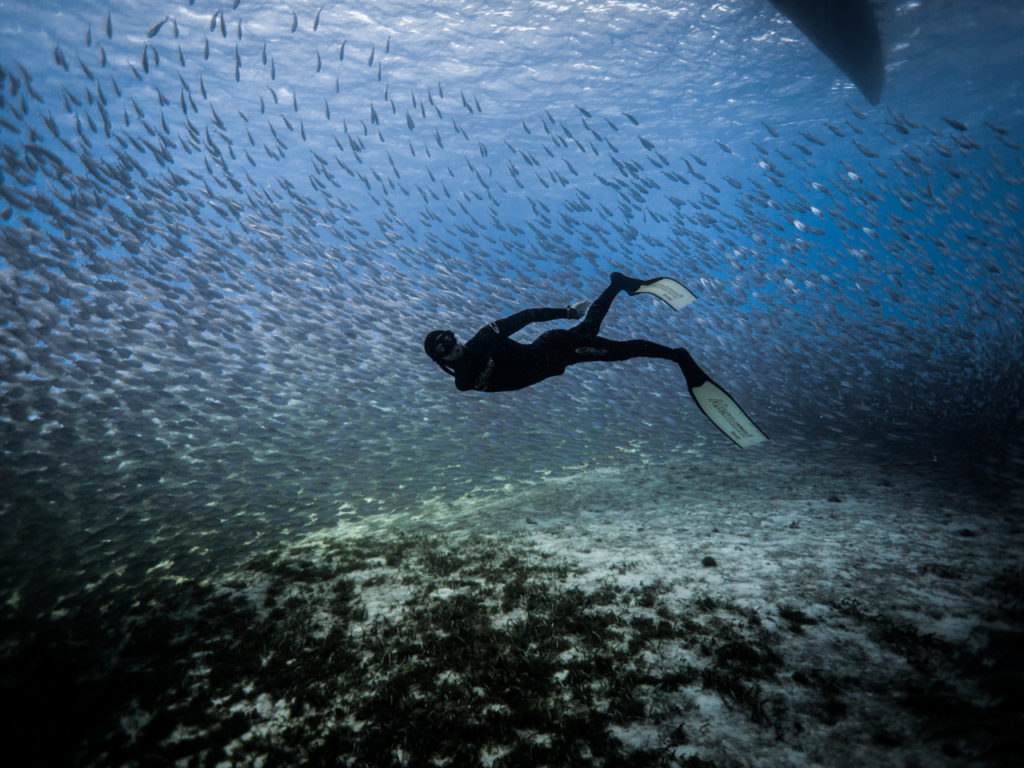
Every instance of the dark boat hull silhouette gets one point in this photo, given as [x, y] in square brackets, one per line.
[846, 31]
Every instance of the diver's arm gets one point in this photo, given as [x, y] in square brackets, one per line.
[509, 325]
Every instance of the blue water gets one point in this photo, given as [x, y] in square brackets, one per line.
[222, 241]
[217, 297]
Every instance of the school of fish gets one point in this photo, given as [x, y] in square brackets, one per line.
[224, 234]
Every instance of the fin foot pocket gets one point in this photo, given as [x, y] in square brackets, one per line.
[627, 284]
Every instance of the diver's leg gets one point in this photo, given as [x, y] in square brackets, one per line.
[591, 324]
[694, 374]
[596, 348]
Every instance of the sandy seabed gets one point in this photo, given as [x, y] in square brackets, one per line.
[677, 616]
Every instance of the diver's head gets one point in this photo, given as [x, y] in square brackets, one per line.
[442, 347]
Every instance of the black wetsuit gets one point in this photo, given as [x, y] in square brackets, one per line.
[493, 362]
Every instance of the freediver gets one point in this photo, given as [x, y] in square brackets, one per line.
[492, 361]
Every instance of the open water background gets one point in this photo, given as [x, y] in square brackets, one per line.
[222, 241]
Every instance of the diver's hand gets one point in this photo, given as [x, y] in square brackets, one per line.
[578, 310]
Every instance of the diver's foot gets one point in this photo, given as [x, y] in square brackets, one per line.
[623, 283]
[691, 370]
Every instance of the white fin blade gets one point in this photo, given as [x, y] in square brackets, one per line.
[727, 415]
[672, 292]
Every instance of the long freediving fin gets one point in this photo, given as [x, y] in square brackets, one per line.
[672, 292]
[719, 407]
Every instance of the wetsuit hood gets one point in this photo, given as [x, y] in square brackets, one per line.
[436, 345]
